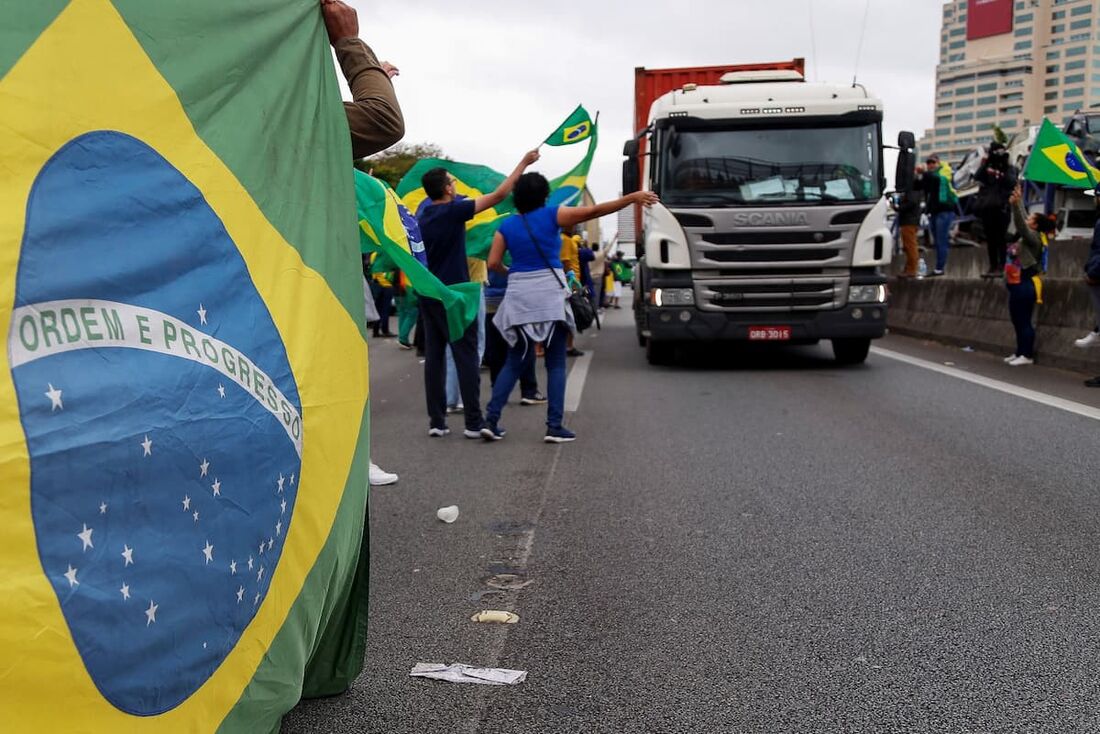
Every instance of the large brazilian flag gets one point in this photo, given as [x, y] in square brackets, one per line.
[184, 401]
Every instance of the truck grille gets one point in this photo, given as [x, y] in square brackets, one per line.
[771, 294]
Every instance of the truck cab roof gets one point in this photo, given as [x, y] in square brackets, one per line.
[748, 98]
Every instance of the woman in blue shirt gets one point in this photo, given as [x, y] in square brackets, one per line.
[535, 307]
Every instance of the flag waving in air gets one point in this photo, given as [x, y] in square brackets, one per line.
[183, 442]
[1055, 159]
[387, 227]
[576, 128]
[475, 180]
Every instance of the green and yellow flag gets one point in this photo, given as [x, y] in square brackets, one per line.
[183, 438]
[576, 128]
[1055, 159]
[476, 180]
[387, 227]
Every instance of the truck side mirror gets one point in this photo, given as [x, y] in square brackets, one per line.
[630, 167]
[907, 161]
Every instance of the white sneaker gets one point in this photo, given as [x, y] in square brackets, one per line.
[1092, 340]
[457, 408]
[379, 477]
[1010, 358]
[438, 432]
[1021, 361]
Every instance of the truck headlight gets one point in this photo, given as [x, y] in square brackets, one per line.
[672, 297]
[867, 294]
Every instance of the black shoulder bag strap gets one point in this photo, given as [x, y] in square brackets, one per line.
[538, 249]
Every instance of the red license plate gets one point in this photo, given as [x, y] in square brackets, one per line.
[769, 333]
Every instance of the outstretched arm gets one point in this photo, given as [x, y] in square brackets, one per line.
[488, 201]
[374, 116]
[571, 216]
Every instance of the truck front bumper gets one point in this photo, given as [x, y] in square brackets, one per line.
[855, 321]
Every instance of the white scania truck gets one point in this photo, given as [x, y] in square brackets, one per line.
[772, 222]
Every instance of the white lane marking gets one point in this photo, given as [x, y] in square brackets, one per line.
[1069, 406]
[575, 384]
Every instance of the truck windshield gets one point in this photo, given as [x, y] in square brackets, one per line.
[770, 166]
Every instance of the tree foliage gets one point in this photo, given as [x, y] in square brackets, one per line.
[393, 163]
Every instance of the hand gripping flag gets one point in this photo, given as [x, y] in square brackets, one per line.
[387, 227]
[577, 127]
[183, 440]
[1055, 159]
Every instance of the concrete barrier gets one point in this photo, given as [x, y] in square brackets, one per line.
[964, 309]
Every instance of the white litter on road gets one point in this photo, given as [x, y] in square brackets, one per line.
[447, 514]
[461, 673]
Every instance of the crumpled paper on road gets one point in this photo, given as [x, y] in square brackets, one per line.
[462, 673]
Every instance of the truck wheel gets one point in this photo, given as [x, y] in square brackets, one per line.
[659, 354]
[851, 351]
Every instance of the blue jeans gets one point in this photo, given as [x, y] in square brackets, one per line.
[452, 372]
[521, 357]
[941, 232]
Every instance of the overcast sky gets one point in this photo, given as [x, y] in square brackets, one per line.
[489, 81]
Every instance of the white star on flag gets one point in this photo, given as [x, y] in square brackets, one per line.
[260, 575]
[71, 576]
[202, 314]
[221, 391]
[195, 515]
[208, 551]
[279, 528]
[125, 591]
[55, 398]
[151, 613]
[186, 502]
[282, 506]
[240, 594]
[270, 543]
[102, 508]
[280, 482]
[128, 554]
[250, 563]
[216, 486]
[291, 480]
[147, 445]
[261, 547]
[86, 537]
[256, 600]
[203, 467]
[232, 568]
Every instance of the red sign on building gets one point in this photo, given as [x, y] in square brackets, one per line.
[988, 18]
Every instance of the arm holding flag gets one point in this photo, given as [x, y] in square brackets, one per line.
[374, 116]
[488, 201]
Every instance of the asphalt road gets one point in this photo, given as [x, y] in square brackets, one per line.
[747, 542]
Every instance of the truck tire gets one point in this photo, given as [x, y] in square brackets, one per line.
[851, 351]
[660, 354]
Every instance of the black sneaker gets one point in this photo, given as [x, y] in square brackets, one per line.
[1094, 382]
[574, 352]
[536, 399]
[492, 432]
[559, 435]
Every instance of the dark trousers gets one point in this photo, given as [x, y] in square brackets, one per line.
[1021, 304]
[383, 300]
[995, 226]
[496, 354]
[435, 367]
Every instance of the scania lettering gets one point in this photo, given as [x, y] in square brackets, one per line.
[772, 221]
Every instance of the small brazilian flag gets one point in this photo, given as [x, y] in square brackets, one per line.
[1055, 159]
[577, 127]
[183, 383]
